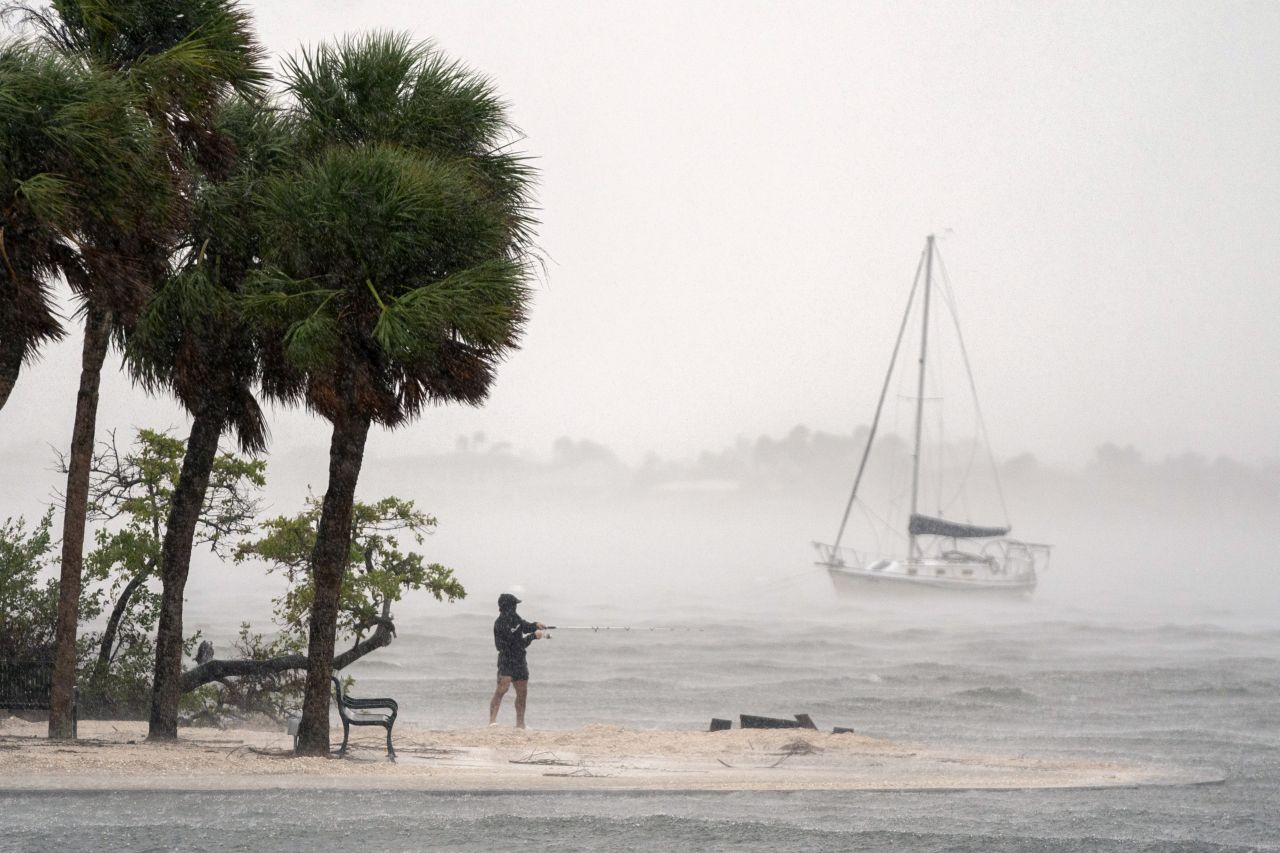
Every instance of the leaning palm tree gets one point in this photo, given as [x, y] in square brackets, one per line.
[398, 271]
[78, 158]
[193, 340]
[179, 58]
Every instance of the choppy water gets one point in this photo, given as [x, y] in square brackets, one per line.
[1015, 680]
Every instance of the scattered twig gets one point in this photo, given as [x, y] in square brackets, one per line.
[422, 749]
[213, 743]
[799, 746]
[583, 772]
[548, 758]
[272, 752]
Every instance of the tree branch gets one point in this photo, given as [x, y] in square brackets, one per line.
[215, 670]
[106, 651]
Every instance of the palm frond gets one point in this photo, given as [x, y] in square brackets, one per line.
[484, 306]
[76, 156]
[312, 343]
[125, 35]
[411, 216]
[50, 198]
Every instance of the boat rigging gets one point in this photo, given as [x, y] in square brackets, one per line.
[941, 553]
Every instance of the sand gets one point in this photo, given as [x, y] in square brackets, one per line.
[112, 755]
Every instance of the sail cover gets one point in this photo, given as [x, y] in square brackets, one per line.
[927, 525]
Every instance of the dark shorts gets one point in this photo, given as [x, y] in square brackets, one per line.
[516, 670]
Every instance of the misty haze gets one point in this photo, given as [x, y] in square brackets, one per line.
[618, 348]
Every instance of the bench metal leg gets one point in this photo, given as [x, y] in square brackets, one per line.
[391, 750]
[346, 732]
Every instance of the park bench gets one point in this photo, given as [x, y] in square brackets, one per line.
[365, 712]
[357, 712]
[25, 686]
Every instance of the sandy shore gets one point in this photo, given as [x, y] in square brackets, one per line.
[113, 755]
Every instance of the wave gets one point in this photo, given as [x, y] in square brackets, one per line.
[1223, 691]
[998, 695]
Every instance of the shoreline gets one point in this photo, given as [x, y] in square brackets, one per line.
[112, 756]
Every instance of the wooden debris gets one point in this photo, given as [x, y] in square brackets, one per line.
[750, 721]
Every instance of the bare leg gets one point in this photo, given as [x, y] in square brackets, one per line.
[522, 693]
[504, 681]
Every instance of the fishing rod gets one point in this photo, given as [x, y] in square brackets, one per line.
[598, 628]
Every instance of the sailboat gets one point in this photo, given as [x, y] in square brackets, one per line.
[937, 553]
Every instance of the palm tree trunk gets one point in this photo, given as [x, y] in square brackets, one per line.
[175, 564]
[10, 367]
[328, 566]
[97, 339]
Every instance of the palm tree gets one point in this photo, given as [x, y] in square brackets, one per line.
[193, 340]
[180, 59]
[78, 159]
[399, 262]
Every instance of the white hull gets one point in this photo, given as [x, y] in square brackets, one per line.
[1004, 567]
[930, 578]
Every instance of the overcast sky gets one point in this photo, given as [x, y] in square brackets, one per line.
[735, 196]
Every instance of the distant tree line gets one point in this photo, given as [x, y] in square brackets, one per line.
[354, 236]
[803, 457]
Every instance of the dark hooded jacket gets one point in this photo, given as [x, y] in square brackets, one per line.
[512, 635]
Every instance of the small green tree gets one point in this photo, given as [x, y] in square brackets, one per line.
[379, 571]
[270, 672]
[131, 489]
[29, 591]
[131, 492]
[29, 596]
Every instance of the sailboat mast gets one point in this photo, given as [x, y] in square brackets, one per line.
[924, 342]
[875, 421]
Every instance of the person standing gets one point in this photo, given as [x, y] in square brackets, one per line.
[512, 635]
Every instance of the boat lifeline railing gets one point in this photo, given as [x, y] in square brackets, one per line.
[1027, 557]
[1038, 551]
[833, 556]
